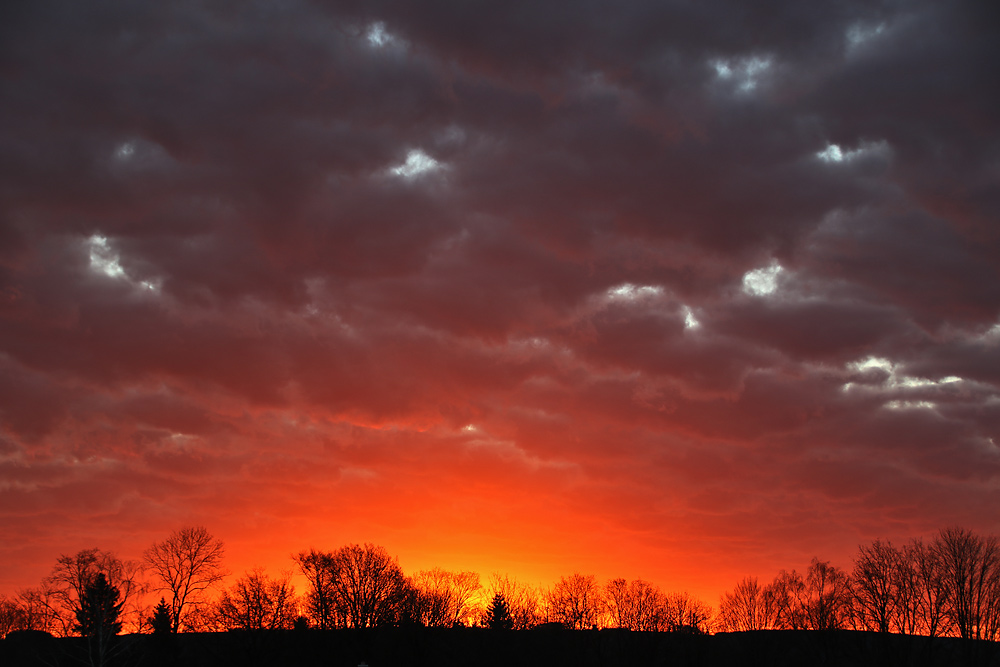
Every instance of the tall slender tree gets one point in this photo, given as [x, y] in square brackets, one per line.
[319, 569]
[926, 588]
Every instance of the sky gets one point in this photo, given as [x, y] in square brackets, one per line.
[671, 290]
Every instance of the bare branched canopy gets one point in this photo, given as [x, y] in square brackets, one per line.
[187, 564]
[879, 586]
[258, 602]
[970, 565]
[750, 606]
[575, 601]
[828, 602]
[370, 585]
[40, 609]
[319, 569]
[446, 598]
[524, 602]
[636, 605]
[72, 575]
[12, 617]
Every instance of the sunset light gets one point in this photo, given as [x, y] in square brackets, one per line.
[647, 291]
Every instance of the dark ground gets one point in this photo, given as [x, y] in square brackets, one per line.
[436, 647]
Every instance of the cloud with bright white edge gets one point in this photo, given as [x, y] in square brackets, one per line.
[630, 292]
[762, 281]
[690, 322]
[834, 153]
[103, 259]
[745, 73]
[417, 163]
[376, 35]
[896, 382]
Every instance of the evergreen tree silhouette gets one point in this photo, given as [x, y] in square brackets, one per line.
[161, 650]
[498, 615]
[161, 620]
[97, 618]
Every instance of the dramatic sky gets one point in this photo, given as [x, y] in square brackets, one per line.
[663, 289]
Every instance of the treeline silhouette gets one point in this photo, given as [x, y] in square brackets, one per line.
[355, 586]
[947, 586]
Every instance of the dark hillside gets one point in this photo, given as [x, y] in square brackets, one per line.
[435, 647]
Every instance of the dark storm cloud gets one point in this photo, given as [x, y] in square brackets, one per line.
[684, 259]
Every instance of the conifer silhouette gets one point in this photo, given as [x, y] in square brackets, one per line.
[99, 609]
[97, 618]
[498, 615]
[161, 620]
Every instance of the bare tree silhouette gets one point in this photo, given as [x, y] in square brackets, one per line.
[319, 569]
[879, 586]
[186, 564]
[71, 576]
[12, 617]
[446, 598]
[925, 588]
[790, 598]
[970, 568]
[523, 601]
[828, 596]
[685, 613]
[258, 602]
[41, 609]
[575, 601]
[370, 586]
[750, 607]
[636, 605]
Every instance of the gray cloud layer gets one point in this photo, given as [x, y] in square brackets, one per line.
[711, 258]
